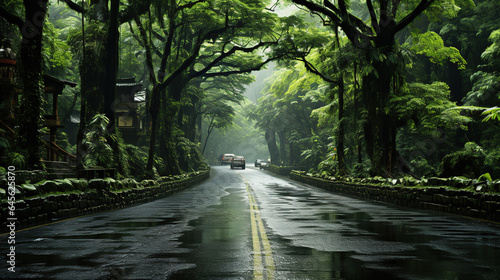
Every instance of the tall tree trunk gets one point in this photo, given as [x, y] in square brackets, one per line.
[273, 148]
[340, 132]
[379, 130]
[111, 66]
[283, 144]
[109, 85]
[170, 108]
[81, 150]
[167, 150]
[209, 131]
[96, 60]
[154, 101]
[31, 54]
[154, 108]
[357, 112]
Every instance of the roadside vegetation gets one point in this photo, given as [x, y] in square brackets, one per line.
[438, 116]
[361, 90]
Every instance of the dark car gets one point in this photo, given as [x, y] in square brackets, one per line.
[238, 161]
[226, 158]
[258, 162]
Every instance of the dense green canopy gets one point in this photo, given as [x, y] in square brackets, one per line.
[353, 88]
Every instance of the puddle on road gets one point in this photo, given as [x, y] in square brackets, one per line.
[54, 260]
[217, 242]
[287, 192]
[307, 263]
[98, 236]
[145, 222]
[219, 224]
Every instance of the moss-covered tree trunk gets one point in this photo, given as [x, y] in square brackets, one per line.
[167, 146]
[30, 119]
[170, 108]
[341, 130]
[379, 129]
[109, 86]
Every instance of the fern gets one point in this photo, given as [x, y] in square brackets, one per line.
[492, 114]
[100, 152]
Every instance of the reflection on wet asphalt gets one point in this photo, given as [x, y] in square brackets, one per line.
[205, 232]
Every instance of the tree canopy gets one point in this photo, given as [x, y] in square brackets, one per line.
[357, 87]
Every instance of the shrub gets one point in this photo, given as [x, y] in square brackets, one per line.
[464, 163]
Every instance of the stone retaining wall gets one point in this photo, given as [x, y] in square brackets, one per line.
[94, 196]
[280, 170]
[460, 202]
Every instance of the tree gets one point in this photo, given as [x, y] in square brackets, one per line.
[201, 39]
[290, 97]
[31, 27]
[218, 115]
[377, 39]
[483, 98]
[216, 102]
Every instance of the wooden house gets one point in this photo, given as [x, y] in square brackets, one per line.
[130, 95]
[53, 88]
[9, 102]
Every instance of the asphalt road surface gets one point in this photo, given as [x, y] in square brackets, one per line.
[247, 224]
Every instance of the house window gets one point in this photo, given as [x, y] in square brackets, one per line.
[125, 121]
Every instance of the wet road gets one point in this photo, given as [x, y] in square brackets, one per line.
[246, 224]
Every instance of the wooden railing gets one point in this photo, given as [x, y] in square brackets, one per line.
[8, 129]
[69, 158]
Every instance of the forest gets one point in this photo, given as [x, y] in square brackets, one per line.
[349, 88]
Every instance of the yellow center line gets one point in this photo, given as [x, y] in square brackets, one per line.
[259, 236]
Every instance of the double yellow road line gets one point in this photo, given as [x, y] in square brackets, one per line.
[262, 252]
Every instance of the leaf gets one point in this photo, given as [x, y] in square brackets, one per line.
[431, 45]
[492, 114]
[485, 177]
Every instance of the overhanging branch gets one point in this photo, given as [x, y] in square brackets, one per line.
[422, 6]
[242, 71]
[75, 7]
[313, 70]
[223, 55]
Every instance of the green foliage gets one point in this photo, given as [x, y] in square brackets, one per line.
[4, 145]
[492, 161]
[192, 154]
[57, 54]
[329, 165]
[100, 152]
[425, 105]
[421, 166]
[315, 155]
[485, 89]
[121, 162]
[492, 114]
[486, 81]
[159, 166]
[299, 106]
[492, 54]
[17, 159]
[467, 163]
[137, 157]
[432, 45]
[94, 32]
[63, 142]
[485, 177]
